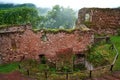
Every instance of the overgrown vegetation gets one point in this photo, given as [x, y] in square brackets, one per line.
[101, 54]
[19, 16]
[43, 71]
[6, 68]
[116, 41]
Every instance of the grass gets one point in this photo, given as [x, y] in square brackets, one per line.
[116, 41]
[55, 30]
[6, 68]
[102, 50]
[100, 54]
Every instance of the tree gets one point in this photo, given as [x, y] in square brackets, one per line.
[18, 16]
[11, 5]
[60, 16]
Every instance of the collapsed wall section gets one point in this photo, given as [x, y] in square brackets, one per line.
[106, 19]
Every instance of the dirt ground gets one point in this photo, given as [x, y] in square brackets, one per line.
[14, 76]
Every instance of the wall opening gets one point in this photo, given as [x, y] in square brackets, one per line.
[80, 55]
[42, 59]
[79, 62]
[87, 17]
[44, 38]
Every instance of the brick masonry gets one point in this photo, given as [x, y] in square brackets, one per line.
[101, 20]
[16, 42]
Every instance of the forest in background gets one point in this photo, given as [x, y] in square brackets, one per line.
[39, 18]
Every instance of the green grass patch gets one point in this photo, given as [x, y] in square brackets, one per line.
[116, 41]
[9, 67]
[101, 54]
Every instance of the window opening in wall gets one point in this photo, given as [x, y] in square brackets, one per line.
[42, 59]
[87, 17]
[44, 38]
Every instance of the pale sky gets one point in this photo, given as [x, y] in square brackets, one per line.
[75, 4]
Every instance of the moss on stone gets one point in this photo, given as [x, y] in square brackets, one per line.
[54, 31]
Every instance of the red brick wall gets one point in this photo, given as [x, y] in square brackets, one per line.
[29, 44]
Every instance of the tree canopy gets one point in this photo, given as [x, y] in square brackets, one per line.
[11, 5]
[60, 17]
[57, 17]
[19, 16]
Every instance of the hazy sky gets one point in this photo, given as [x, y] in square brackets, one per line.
[75, 4]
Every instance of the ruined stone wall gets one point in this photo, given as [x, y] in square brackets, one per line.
[100, 19]
[15, 45]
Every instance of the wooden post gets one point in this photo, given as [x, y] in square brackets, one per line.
[19, 66]
[111, 68]
[90, 73]
[46, 75]
[66, 75]
[73, 64]
[28, 72]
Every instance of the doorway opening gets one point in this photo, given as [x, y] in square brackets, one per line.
[42, 59]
